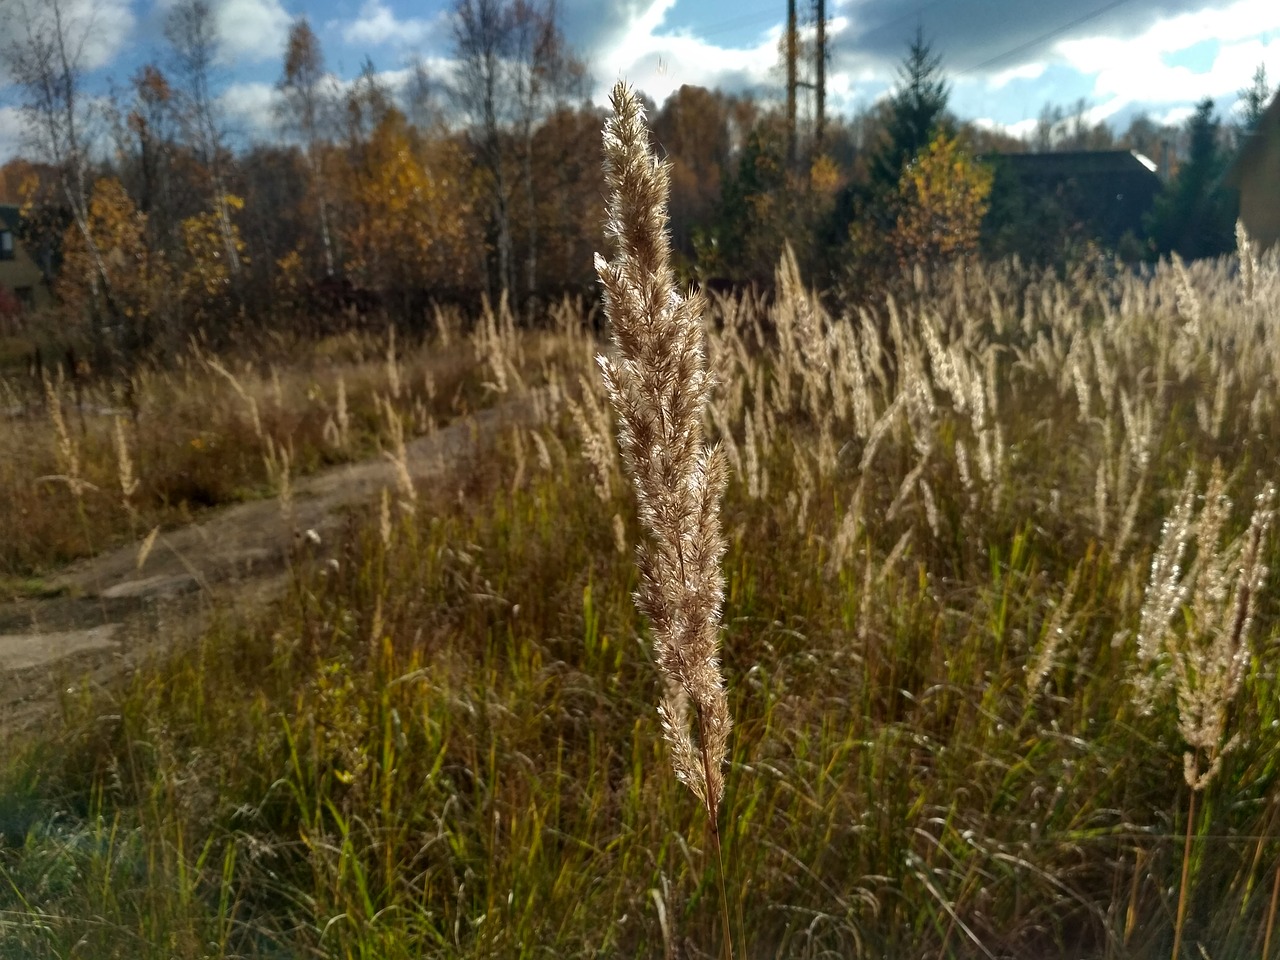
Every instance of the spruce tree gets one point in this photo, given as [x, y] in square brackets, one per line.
[917, 111]
[1195, 215]
[1256, 96]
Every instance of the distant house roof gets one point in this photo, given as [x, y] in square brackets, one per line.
[1107, 193]
[1080, 163]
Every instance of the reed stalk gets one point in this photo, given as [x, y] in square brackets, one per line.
[659, 384]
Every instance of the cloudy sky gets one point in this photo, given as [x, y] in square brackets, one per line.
[1005, 58]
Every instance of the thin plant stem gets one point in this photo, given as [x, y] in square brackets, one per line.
[1271, 914]
[713, 823]
[1182, 887]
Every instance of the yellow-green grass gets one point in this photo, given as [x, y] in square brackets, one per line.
[445, 745]
[201, 434]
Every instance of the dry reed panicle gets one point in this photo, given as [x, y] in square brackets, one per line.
[399, 457]
[124, 463]
[125, 474]
[68, 449]
[597, 444]
[1198, 617]
[342, 414]
[384, 519]
[252, 404]
[659, 385]
[393, 364]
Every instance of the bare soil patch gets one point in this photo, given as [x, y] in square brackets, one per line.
[102, 616]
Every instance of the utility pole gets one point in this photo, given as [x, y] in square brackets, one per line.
[791, 84]
[820, 77]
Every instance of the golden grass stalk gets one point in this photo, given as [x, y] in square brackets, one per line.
[659, 384]
[124, 468]
[145, 548]
[68, 449]
[399, 457]
[1195, 631]
[384, 519]
[243, 394]
[342, 414]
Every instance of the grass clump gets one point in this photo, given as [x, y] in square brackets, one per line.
[88, 465]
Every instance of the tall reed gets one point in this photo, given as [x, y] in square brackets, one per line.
[659, 385]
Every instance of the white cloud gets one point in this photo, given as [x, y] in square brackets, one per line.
[11, 128]
[249, 109]
[1134, 69]
[248, 31]
[1175, 117]
[377, 24]
[96, 30]
[660, 64]
[1026, 71]
[1022, 129]
[252, 30]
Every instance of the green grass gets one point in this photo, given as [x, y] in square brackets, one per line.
[447, 746]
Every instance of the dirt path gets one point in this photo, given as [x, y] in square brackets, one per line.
[106, 613]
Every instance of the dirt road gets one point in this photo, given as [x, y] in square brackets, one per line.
[103, 615]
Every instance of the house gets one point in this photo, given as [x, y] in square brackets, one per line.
[19, 272]
[1101, 195]
[1255, 172]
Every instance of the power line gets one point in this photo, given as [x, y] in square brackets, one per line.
[917, 13]
[747, 20]
[1047, 35]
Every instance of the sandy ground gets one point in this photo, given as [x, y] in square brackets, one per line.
[106, 614]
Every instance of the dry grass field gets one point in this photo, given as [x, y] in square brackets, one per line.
[998, 640]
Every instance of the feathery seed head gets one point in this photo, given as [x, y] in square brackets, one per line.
[659, 385]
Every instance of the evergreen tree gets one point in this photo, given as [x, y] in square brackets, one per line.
[1256, 96]
[917, 112]
[1195, 215]
[867, 211]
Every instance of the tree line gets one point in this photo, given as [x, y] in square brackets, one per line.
[371, 200]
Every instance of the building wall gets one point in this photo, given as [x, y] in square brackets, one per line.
[1256, 174]
[1260, 189]
[23, 276]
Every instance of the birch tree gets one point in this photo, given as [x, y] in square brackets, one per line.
[43, 53]
[192, 34]
[307, 103]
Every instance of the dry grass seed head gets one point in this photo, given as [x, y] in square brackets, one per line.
[659, 385]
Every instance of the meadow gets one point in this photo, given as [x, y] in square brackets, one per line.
[999, 641]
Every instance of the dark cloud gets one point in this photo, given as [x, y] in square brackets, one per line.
[988, 35]
[591, 25]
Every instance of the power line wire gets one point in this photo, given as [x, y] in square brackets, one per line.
[1047, 35]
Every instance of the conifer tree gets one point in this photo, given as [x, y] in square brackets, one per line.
[1195, 215]
[1256, 96]
[917, 112]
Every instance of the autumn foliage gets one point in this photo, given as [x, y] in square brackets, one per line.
[409, 201]
[942, 198]
[111, 273]
[206, 281]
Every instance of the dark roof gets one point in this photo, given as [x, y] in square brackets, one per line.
[1254, 143]
[1102, 194]
[1078, 163]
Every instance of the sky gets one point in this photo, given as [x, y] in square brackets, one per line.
[1005, 59]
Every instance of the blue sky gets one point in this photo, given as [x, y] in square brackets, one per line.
[1005, 58]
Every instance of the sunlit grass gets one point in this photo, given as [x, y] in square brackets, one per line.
[444, 744]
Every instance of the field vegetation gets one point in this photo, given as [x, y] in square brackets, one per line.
[963, 629]
[87, 463]
[998, 637]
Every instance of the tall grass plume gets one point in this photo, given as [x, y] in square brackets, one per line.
[659, 385]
